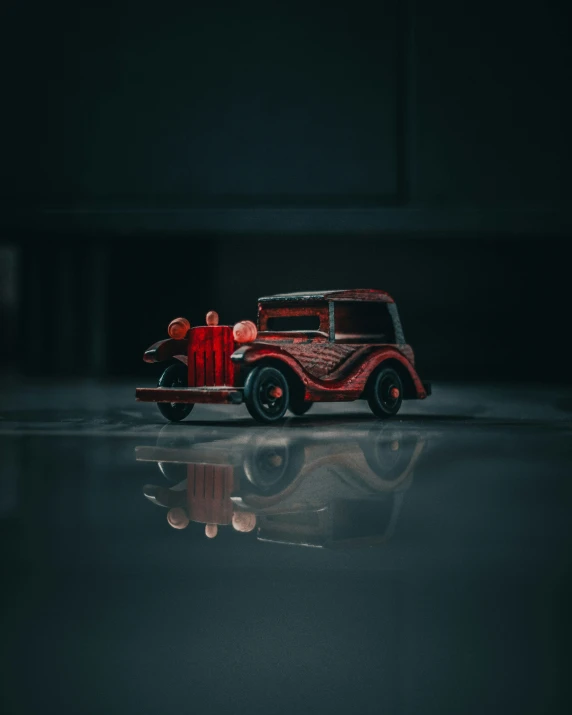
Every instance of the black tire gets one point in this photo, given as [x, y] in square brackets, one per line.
[381, 392]
[299, 407]
[258, 398]
[174, 376]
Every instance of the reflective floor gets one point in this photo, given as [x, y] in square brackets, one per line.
[333, 563]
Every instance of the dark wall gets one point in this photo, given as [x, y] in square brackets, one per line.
[134, 105]
[189, 102]
[480, 308]
[492, 114]
[167, 158]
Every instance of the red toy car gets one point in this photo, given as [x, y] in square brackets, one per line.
[320, 346]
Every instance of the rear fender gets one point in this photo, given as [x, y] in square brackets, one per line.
[166, 350]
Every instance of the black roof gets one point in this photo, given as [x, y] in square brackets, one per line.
[366, 294]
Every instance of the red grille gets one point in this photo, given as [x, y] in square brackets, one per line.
[210, 348]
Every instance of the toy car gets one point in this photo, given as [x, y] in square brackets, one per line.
[320, 346]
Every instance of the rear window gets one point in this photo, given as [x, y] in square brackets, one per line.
[362, 322]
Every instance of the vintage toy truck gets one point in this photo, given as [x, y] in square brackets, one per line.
[319, 346]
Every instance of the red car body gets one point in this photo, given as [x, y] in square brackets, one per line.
[319, 346]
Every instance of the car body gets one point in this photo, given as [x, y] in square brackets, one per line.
[316, 346]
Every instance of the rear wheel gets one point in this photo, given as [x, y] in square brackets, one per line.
[174, 376]
[266, 394]
[385, 393]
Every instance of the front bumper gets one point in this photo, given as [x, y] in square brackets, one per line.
[195, 395]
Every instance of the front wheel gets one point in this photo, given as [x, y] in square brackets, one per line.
[385, 393]
[266, 394]
[174, 376]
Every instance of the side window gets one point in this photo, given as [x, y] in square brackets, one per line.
[311, 317]
[293, 322]
[362, 322]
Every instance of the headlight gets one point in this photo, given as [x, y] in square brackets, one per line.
[179, 328]
[245, 331]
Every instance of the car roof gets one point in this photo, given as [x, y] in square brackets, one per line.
[366, 294]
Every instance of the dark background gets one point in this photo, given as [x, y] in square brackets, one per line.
[164, 159]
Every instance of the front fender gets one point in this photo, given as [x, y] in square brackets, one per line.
[166, 350]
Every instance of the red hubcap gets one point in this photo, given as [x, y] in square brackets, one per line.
[275, 392]
[394, 393]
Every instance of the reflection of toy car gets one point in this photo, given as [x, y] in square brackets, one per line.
[324, 346]
[293, 489]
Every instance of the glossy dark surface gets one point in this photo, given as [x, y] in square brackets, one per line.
[427, 571]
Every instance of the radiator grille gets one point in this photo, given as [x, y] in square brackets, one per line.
[210, 348]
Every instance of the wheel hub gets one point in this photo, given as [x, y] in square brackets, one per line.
[271, 396]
